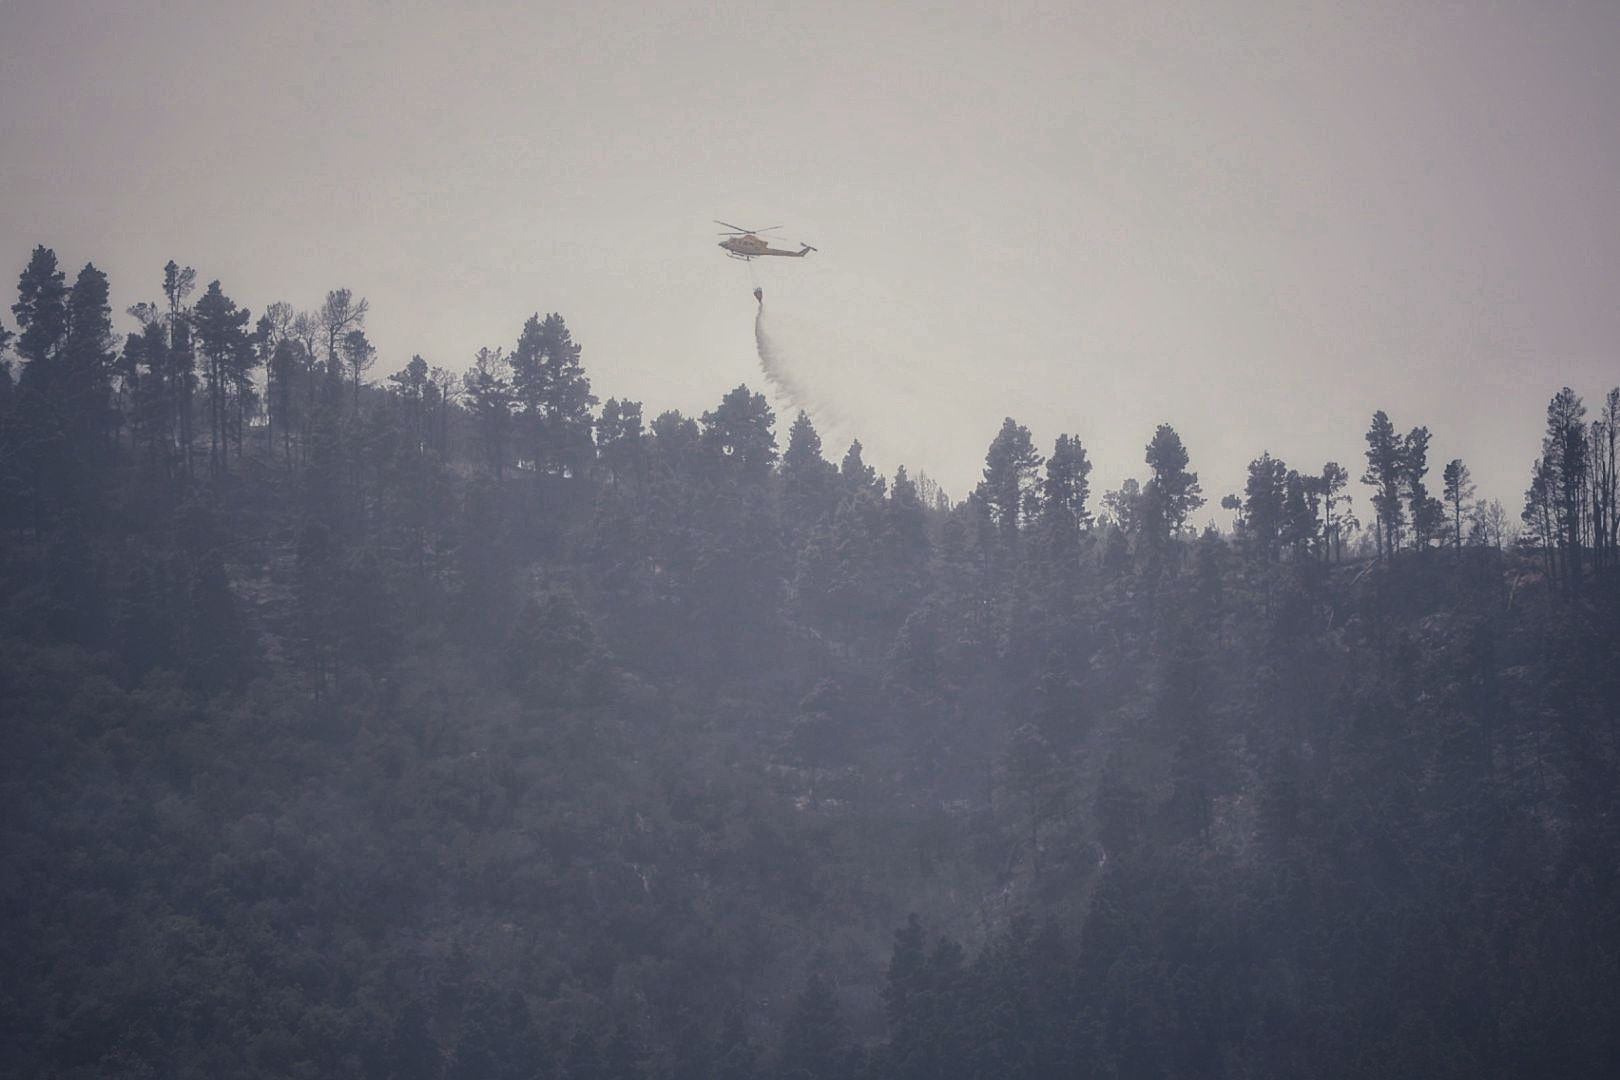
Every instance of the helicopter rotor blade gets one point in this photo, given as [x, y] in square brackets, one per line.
[729, 225]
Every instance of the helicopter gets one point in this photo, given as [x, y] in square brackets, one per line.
[747, 244]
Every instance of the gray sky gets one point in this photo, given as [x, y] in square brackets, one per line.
[1259, 222]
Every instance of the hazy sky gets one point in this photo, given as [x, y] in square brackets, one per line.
[1259, 222]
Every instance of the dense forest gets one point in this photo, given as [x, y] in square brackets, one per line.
[460, 725]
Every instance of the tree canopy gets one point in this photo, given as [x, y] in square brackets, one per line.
[455, 724]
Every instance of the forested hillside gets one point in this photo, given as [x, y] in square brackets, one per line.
[435, 724]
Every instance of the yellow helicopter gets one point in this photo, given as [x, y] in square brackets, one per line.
[747, 243]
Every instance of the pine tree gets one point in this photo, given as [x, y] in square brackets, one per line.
[1564, 451]
[146, 370]
[1540, 514]
[675, 442]
[1064, 491]
[41, 309]
[287, 364]
[808, 479]
[1459, 490]
[1385, 470]
[490, 396]
[1123, 508]
[855, 476]
[63, 405]
[1172, 492]
[86, 384]
[552, 393]
[1605, 484]
[1302, 501]
[1428, 513]
[619, 441]
[272, 334]
[737, 439]
[903, 536]
[358, 357]
[1264, 495]
[1009, 480]
[87, 346]
[1037, 776]
[36, 431]
[181, 376]
[1334, 479]
[221, 329]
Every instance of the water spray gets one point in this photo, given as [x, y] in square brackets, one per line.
[784, 376]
